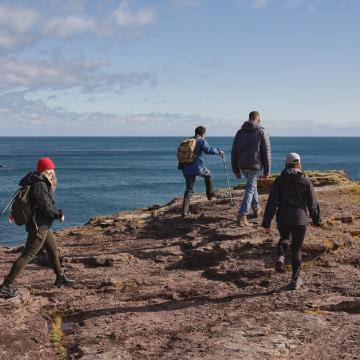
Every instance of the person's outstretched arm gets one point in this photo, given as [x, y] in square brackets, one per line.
[265, 149]
[209, 150]
[313, 205]
[272, 204]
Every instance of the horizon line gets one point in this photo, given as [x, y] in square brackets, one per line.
[167, 136]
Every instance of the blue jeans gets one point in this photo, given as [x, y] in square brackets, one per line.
[251, 196]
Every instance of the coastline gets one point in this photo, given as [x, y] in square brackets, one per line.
[152, 285]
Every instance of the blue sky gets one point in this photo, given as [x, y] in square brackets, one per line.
[136, 67]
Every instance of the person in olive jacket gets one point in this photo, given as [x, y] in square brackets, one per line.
[291, 193]
[42, 200]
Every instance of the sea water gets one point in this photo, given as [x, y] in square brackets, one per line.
[105, 175]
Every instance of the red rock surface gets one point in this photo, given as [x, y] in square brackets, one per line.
[151, 285]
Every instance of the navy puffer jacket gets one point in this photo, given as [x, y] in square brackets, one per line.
[251, 149]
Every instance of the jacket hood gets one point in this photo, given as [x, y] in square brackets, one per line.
[31, 178]
[250, 126]
[293, 175]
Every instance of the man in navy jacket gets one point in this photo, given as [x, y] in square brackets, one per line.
[250, 153]
[197, 168]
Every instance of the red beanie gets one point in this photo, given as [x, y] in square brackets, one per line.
[45, 164]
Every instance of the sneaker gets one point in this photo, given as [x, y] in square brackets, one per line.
[242, 221]
[8, 291]
[296, 283]
[279, 265]
[63, 280]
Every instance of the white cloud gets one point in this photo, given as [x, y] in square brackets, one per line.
[31, 117]
[293, 3]
[83, 75]
[18, 18]
[185, 3]
[311, 9]
[10, 41]
[69, 26]
[256, 4]
[124, 16]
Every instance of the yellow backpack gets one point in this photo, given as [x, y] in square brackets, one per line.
[186, 151]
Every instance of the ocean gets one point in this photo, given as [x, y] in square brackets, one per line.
[100, 176]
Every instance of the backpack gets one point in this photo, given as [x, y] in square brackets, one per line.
[186, 151]
[20, 209]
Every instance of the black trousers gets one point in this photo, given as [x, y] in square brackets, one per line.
[292, 235]
[190, 182]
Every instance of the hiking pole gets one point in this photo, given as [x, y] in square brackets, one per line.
[9, 204]
[227, 179]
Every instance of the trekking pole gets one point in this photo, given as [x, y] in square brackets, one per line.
[9, 204]
[227, 179]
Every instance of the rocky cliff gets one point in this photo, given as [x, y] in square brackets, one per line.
[151, 285]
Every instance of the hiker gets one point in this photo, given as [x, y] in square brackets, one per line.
[196, 167]
[250, 153]
[42, 201]
[291, 193]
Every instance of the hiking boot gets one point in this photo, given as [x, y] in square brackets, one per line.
[296, 283]
[242, 221]
[279, 265]
[257, 212]
[8, 291]
[63, 280]
[186, 207]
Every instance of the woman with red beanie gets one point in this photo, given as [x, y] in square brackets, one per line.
[42, 200]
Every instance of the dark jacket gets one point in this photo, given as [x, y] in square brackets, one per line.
[42, 201]
[197, 166]
[251, 149]
[290, 195]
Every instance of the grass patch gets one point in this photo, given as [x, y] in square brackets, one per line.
[57, 335]
[307, 265]
[317, 312]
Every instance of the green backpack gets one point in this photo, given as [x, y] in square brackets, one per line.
[21, 210]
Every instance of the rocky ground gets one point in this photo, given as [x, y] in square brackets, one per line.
[151, 285]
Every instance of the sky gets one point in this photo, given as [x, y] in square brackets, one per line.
[163, 67]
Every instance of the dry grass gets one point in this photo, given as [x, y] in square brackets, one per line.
[318, 178]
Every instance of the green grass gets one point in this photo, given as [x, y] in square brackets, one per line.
[57, 335]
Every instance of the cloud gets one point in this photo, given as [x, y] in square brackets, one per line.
[10, 41]
[294, 3]
[185, 3]
[124, 16]
[256, 4]
[87, 76]
[68, 26]
[23, 116]
[311, 9]
[18, 18]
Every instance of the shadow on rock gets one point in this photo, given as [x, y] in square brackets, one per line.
[240, 278]
[200, 259]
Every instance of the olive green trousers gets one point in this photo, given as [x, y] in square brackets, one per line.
[35, 241]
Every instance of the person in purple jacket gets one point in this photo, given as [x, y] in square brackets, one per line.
[197, 168]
